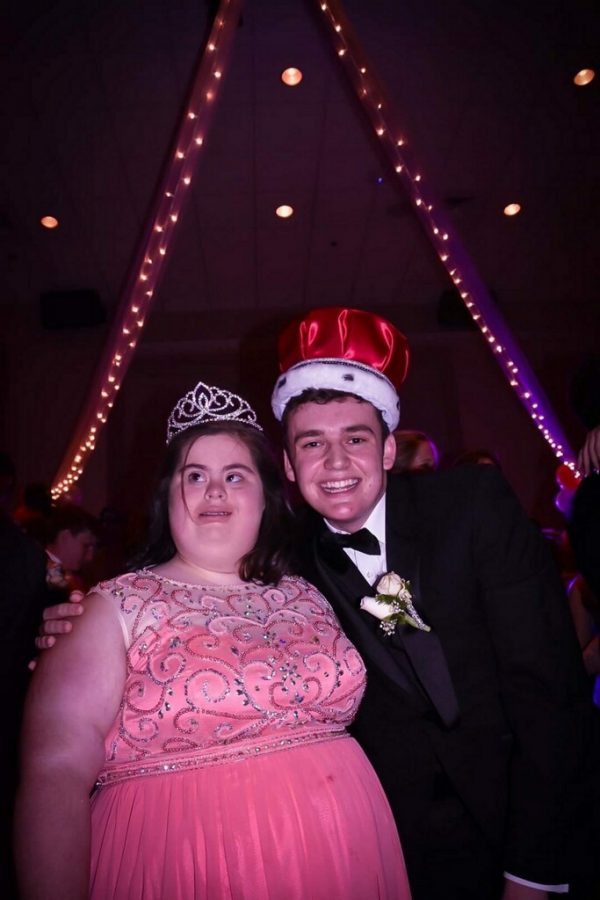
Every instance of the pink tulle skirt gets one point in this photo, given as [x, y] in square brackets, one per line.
[309, 822]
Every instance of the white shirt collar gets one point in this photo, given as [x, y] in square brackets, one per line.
[375, 523]
[371, 567]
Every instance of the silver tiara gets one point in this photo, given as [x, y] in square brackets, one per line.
[207, 403]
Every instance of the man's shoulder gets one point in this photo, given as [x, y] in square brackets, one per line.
[445, 486]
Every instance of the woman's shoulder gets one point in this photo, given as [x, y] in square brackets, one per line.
[295, 584]
[141, 582]
[112, 585]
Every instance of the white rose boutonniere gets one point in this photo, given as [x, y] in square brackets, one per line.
[393, 604]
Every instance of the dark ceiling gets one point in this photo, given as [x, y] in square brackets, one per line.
[93, 91]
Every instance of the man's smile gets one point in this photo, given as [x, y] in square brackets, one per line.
[334, 487]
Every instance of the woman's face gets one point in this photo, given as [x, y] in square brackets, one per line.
[216, 502]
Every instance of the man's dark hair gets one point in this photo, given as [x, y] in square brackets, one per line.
[477, 457]
[323, 396]
[407, 444]
[68, 517]
[270, 558]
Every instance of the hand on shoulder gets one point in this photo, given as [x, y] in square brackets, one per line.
[55, 620]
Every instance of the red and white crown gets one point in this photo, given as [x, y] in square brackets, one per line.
[349, 350]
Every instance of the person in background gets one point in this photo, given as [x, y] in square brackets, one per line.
[583, 523]
[585, 609]
[22, 599]
[71, 541]
[477, 458]
[207, 695]
[415, 452]
[584, 518]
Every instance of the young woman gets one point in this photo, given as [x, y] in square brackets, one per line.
[206, 695]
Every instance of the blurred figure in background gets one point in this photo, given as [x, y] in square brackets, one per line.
[478, 457]
[584, 519]
[415, 452]
[115, 546]
[71, 541]
[22, 599]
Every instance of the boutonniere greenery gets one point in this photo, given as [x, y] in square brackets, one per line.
[55, 575]
[393, 604]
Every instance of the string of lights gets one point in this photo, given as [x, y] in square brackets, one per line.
[441, 233]
[148, 261]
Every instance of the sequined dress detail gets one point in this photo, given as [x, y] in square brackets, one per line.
[228, 770]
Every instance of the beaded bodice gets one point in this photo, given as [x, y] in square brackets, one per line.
[213, 670]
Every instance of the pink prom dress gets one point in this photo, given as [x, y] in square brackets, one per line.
[229, 772]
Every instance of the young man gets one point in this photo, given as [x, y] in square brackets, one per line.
[71, 544]
[476, 727]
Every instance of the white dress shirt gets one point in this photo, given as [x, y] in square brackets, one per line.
[371, 567]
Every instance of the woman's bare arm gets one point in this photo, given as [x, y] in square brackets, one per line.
[73, 699]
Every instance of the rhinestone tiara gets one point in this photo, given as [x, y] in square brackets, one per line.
[207, 403]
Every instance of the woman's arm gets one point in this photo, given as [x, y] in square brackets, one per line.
[72, 701]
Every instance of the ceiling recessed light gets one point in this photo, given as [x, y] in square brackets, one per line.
[49, 222]
[584, 76]
[285, 211]
[291, 76]
[512, 209]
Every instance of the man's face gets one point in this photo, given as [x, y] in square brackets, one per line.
[75, 550]
[339, 459]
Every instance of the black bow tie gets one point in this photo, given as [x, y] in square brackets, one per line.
[361, 540]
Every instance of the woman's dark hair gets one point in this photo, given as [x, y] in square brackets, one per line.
[270, 558]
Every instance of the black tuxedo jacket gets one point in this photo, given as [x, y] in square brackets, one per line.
[495, 695]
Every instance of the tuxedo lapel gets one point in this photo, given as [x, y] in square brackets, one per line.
[344, 586]
[423, 648]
